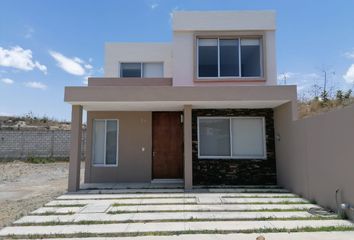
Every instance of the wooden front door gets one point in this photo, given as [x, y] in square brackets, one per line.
[167, 145]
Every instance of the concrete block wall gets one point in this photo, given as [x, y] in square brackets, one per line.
[36, 143]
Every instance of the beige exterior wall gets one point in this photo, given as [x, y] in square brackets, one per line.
[135, 143]
[223, 20]
[115, 53]
[315, 155]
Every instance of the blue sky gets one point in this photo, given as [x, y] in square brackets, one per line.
[46, 45]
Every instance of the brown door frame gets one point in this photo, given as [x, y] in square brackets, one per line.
[180, 114]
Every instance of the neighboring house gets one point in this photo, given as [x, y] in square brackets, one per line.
[198, 110]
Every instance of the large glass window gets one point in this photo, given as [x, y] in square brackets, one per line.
[231, 137]
[231, 57]
[105, 142]
[215, 137]
[247, 137]
[138, 70]
[208, 57]
[250, 58]
[152, 70]
[130, 70]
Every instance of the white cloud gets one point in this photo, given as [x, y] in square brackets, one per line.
[349, 54]
[85, 81]
[349, 75]
[37, 85]
[29, 32]
[78, 60]
[7, 81]
[88, 66]
[17, 57]
[154, 5]
[70, 65]
[171, 12]
[6, 114]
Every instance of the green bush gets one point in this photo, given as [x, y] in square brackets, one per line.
[42, 160]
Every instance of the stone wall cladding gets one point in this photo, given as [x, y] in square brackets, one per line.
[21, 144]
[235, 171]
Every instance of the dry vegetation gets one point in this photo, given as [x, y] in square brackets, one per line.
[316, 105]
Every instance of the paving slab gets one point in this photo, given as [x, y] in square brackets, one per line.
[125, 191]
[95, 208]
[198, 199]
[141, 201]
[56, 210]
[263, 200]
[222, 209]
[211, 207]
[241, 236]
[172, 195]
[248, 190]
[177, 190]
[170, 227]
[209, 200]
[157, 216]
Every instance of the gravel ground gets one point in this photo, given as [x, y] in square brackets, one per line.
[25, 187]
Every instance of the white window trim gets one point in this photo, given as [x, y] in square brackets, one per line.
[264, 157]
[105, 140]
[239, 77]
[141, 68]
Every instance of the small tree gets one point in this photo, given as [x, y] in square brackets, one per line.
[339, 96]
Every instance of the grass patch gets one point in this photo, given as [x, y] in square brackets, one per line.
[260, 196]
[226, 203]
[281, 202]
[54, 223]
[66, 205]
[169, 233]
[40, 160]
[212, 210]
[142, 204]
[51, 213]
[130, 198]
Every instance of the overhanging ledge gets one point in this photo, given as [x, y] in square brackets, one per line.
[168, 93]
[168, 98]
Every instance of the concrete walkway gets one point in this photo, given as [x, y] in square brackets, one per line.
[232, 213]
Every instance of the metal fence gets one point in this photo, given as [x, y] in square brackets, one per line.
[37, 143]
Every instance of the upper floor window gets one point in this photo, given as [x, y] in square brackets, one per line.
[141, 70]
[229, 57]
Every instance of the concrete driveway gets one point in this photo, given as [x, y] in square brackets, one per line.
[236, 213]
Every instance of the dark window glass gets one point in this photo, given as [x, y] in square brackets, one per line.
[111, 142]
[208, 57]
[130, 70]
[229, 57]
[250, 58]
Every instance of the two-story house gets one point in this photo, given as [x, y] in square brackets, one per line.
[198, 110]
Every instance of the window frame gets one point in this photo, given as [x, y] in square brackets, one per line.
[142, 69]
[264, 157]
[239, 77]
[105, 142]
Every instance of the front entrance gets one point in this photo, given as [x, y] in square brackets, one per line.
[167, 145]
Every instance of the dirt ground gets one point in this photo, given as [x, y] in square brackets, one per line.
[27, 186]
